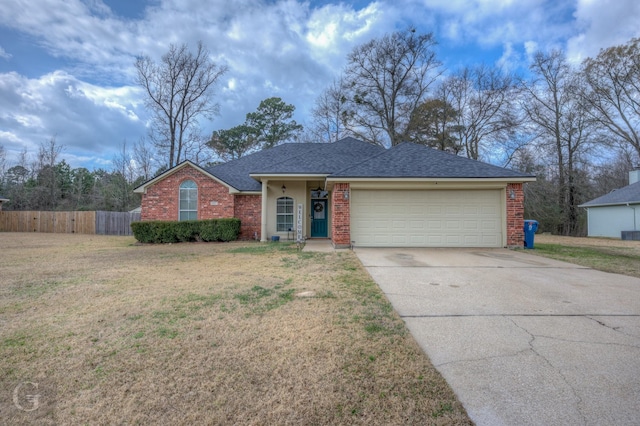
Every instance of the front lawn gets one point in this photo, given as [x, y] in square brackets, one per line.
[204, 333]
[619, 257]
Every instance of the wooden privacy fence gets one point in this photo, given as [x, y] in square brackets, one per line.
[98, 222]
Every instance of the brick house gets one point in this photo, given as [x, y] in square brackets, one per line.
[351, 192]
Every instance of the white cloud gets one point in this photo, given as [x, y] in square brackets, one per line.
[530, 49]
[4, 54]
[333, 28]
[510, 59]
[602, 25]
[9, 136]
[286, 48]
[82, 117]
[497, 22]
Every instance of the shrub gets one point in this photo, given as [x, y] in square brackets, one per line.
[187, 230]
[220, 229]
[165, 232]
[190, 230]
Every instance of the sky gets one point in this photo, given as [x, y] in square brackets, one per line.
[67, 66]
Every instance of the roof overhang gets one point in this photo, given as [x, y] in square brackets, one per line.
[142, 189]
[3, 199]
[427, 183]
[261, 177]
[618, 204]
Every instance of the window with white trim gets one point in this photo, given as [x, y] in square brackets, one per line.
[284, 214]
[188, 200]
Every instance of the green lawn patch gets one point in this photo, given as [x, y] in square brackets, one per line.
[618, 260]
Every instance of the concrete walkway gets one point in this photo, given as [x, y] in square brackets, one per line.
[521, 339]
[322, 246]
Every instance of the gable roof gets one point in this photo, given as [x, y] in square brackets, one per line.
[166, 173]
[409, 160]
[629, 194]
[293, 159]
[346, 158]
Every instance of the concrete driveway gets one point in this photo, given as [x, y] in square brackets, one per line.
[521, 339]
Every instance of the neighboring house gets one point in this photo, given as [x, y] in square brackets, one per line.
[615, 212]
[3, 200]
[352, 192]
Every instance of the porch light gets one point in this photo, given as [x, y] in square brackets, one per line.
[284, 189]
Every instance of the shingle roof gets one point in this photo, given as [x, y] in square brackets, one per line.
[351, 158]
[409, 160]
[293, 158]
[627, 194]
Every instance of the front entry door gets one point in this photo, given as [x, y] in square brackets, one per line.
[319, 219]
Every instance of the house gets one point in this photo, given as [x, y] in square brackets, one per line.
[616, 212]
[352, 192]
[3, 200]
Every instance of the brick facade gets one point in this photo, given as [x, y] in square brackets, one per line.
[160, 201]
[248, 208]
[515, 215]
[341, 215]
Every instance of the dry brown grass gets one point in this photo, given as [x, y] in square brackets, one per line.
[633, 246]
[604, 254]
[119, 333]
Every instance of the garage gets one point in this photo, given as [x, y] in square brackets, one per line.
[427, 218]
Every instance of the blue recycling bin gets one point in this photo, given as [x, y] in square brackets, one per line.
[530, 228]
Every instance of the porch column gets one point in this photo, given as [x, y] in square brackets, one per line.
[263, 221]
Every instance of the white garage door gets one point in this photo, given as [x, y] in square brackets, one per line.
[444, 218]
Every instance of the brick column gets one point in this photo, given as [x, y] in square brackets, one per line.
[515, 215]
[341, 215]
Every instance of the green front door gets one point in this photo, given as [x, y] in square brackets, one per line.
[319, 219]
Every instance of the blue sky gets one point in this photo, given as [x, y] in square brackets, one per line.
[66, 66]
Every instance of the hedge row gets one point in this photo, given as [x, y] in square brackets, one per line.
[187, 230]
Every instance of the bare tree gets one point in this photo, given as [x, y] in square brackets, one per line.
[178, 91]
[387, 78]
[122, 177]
[143, 158]
[554, 107]
[613, 173]
[199, 151]
[485, 101]
[613, 79]
[330, 113]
